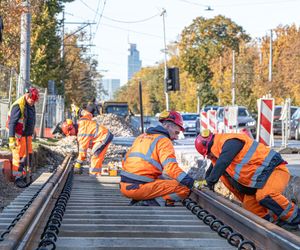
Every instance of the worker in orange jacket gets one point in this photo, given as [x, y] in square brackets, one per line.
[254, 173]
[89, 135]
[152, 155]
[20, 125]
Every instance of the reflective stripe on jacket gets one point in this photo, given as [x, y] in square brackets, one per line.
[150, 156]
[253, 165]
[91, 135]
[19, 126]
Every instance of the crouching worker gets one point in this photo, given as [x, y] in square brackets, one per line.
[151, 155]
[20, 125]
[254, 173]
[89, 135]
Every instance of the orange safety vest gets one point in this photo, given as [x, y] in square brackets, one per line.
[91, 135]
[20, 124]
[252, 165]
[150, 156]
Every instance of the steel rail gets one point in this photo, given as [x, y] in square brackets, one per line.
[264, 234]
[58, 185]
[15, 237]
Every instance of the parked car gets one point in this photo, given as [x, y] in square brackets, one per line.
[295, 125]
[149, 121]
[277, 124]
[198, 118]
[244, 119]
[189, 123]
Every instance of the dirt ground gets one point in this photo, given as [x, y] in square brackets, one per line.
[44, 159]
[48, 155]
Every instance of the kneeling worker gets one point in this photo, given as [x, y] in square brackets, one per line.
[89, 135]
[151, 155]
[254, 173]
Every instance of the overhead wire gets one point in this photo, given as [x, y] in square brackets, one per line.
[101, 15]
[133, 31]
[234, 4]
[136, 21]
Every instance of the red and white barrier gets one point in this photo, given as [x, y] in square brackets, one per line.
[230, 119]
[212, 120]
[265, 121]
[226, 120]
[203, 120]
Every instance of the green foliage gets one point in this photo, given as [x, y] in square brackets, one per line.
[46, 63]
[201, 42]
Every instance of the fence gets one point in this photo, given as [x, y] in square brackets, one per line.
[54, 110]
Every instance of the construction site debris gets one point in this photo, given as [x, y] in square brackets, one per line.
[119, 126]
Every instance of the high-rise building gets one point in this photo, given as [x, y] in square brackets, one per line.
[134, 62]
[110, 86]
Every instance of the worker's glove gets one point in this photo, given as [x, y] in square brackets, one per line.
[12, 143]
[210, 185]
[77, 168]
[199, 184]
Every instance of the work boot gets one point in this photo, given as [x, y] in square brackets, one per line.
[20, 182]
[144, 203]
[170, 203]
[288, 226]
[78, 171]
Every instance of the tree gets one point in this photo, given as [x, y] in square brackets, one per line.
[81, 75]
[45, 40]
[203, 41]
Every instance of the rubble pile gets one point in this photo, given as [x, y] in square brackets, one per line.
[117, 125]
[66, 145]
[197, 172]
[115, 153]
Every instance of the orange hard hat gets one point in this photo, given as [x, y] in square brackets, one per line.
[172, 116]
[33, 93]
[202, 141]
[68, 128]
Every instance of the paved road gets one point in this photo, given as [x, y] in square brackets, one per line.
[277, 142]
[187, 144]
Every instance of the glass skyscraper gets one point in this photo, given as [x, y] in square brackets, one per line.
[134, 62]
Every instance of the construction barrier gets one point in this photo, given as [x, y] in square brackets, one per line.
[265, 121]
[6, 169]
[203, 121]
[212, 120]
[230, 119]
[285, 119]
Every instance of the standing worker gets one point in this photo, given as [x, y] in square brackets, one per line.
[151, 155]
[89, 135]
[254, 173]
[20, 125]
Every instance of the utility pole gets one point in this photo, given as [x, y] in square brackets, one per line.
[63, 44]
[24, 79]
[165, 60]
[271, 55]
[220, 81]
[233, 78]
[63, 52]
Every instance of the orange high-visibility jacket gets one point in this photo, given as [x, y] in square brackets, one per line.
[150, 156]
[91, 135]
[253, 165]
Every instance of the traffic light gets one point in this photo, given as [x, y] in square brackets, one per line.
[173, 80]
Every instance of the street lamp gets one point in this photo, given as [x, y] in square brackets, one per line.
[165, 60]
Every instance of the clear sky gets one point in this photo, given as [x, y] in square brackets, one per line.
[120, 22]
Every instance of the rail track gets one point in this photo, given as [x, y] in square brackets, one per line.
[66, 211]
